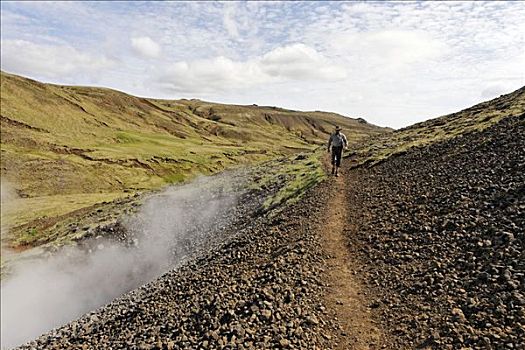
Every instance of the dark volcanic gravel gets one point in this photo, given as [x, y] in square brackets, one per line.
[441, 231]
[259, 289]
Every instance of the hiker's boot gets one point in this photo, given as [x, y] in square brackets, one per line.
[336, 172]
[333, 170]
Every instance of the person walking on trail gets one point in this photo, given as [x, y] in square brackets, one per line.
[337, 141]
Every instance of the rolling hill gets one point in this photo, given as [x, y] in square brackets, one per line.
[65, 148]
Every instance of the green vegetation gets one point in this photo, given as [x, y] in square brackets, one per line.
[22, 210]
[32, 219]
[66, 148]
[27, 237]
[297, 174]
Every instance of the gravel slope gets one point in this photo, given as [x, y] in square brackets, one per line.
[262, 288]
[438, 233]
[441, 232]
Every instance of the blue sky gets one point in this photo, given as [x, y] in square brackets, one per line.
[392, 63]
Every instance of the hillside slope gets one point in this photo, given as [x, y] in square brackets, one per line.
[440, 233]
[61, 139]
[475, 118]
[422, 248]
[65, 148]
[434, 250]
[436, 221]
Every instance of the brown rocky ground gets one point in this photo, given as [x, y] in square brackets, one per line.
[345, 296]
[440, 233]
[423, 250]
[262, 288]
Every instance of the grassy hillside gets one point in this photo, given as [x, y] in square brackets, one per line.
[64, 148]
[476, 118]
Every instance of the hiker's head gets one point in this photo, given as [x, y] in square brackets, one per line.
[337, 129]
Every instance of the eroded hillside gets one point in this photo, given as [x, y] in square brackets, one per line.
[67, 148]
[62, 140]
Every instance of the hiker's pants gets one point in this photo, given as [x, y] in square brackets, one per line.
[337, 153]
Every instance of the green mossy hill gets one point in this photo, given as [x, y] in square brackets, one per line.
[64, 148]
[473, 119]
[65, 140]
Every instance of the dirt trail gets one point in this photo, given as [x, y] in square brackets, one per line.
[287, 281]
[345, 296]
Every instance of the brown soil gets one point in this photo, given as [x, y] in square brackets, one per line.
[346, 298]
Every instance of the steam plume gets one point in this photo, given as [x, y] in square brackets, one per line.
[41, 295]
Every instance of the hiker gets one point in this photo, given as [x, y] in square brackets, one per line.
[337, 141]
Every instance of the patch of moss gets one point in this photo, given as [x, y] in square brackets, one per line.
[175, 178]
[302, 172]
[27, 237]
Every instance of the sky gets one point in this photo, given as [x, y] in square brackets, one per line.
[392, 63]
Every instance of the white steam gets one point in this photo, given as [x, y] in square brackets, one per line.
[42, 294]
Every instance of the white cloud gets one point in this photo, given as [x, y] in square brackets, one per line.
[53, 61]
[393, 49]
[296, 62]
[208, 75]
[300, 62]
[146, 47]
[229, 19]
[493, 91]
